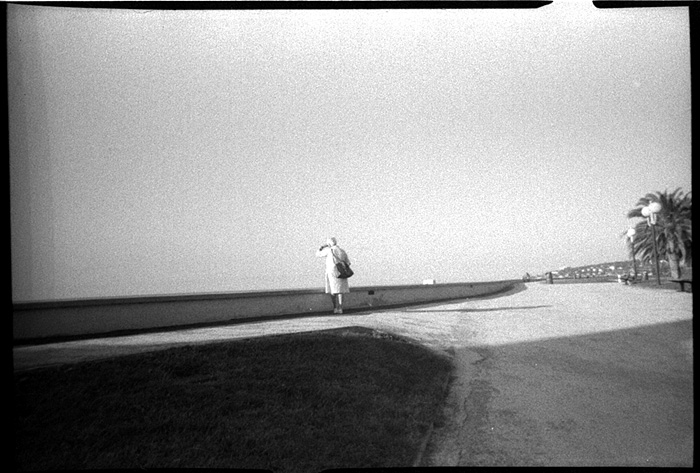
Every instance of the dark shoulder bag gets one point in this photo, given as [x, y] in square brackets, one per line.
[342, 269]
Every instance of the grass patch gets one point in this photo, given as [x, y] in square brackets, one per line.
[304, 402]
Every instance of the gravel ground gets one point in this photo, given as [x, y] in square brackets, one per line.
[553, 375]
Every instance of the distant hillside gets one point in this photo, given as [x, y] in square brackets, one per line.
[615, 268]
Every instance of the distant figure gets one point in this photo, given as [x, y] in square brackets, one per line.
[526, 278]
[335, 286]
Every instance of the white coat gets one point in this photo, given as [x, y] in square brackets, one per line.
[334, 285]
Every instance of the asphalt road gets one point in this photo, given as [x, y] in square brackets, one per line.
[553, 375]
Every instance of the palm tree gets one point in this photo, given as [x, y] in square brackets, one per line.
[674, 235]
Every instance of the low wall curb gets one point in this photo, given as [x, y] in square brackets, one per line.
[43, 320]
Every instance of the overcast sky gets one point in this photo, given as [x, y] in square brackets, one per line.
[167, 152]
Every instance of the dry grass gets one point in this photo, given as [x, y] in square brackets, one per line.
[304, 402]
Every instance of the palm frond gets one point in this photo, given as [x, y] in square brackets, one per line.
[674, 236]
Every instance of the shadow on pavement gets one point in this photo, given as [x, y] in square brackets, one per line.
[612, 398]
[492, 309]
[514, 289]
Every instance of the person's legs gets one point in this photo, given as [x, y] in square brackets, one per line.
[335, 303]
[340, 304]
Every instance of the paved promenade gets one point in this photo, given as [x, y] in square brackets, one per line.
[556, 375]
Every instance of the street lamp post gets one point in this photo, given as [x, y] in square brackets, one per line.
[650, 212]
[630, 234]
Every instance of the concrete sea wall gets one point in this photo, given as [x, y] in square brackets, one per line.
[38, 320]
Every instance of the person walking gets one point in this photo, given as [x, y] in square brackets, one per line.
[335, 286]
